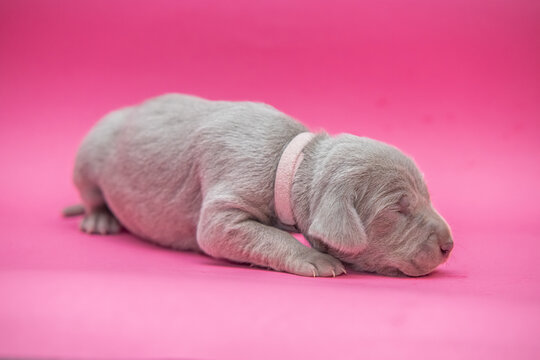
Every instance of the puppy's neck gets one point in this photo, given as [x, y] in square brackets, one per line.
[303, 185]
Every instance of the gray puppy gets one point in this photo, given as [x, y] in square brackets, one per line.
[194, 174]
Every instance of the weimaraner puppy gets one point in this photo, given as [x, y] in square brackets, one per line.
[233, 179]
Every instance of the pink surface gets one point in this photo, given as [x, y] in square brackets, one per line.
[453, 83]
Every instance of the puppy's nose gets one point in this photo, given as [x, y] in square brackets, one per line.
[446, 247]
[441, 234]
[445, 241]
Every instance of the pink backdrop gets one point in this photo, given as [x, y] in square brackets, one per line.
[453, 83]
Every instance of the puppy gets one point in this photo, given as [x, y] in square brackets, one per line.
[232, 179]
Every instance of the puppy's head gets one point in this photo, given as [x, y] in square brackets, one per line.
[370, 208]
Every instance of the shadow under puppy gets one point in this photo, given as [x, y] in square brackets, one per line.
[231, 179]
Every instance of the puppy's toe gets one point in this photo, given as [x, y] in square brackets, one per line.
[88, 223]
[100, 221]
[317, 264]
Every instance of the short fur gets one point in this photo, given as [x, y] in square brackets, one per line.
[194, 174]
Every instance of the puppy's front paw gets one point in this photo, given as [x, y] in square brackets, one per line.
[314, 263]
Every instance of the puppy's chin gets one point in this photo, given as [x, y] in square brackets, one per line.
[391, 271]
[402, 270]
[422, 264]
[414, 271]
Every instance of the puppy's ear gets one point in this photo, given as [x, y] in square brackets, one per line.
[336, 223]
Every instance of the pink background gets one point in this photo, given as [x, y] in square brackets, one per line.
[453, 83]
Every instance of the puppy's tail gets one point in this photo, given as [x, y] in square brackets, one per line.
[73, 210]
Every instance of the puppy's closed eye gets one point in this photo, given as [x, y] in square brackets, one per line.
[404, 205]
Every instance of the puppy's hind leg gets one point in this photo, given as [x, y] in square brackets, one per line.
[98, 219]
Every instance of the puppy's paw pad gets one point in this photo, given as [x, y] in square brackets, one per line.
[317, 264]
[100, 222]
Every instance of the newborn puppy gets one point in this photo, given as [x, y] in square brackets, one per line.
[194, 174]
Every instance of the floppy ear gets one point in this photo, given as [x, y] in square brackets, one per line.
[336, 223]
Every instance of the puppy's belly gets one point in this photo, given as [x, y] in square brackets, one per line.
[144, 215]
[152, 198]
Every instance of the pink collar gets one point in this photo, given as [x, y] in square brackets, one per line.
[288, 164]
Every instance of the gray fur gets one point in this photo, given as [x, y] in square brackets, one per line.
[195, 174]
